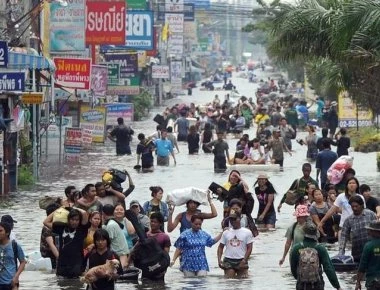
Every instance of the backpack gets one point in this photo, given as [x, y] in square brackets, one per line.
[150, 258]
[308, 266]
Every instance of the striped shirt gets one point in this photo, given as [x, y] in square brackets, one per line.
[354, 229]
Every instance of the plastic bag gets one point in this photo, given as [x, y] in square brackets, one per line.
[181, 196]
[336, 171]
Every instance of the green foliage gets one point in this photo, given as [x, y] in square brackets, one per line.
[26, 149]
[25, 175]
[142, 103]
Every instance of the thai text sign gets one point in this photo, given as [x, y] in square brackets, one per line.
[175, 44]
[123, 110]
[128, 62]
[73, 72]
[73, 137]
[350, 115]
[175, 21]
[113, 73]
[32, 98]
[160, 72]
[12, 81]
[136, 4]
[139, 29]
[174, 5]
[105, 22]
[123, 90]
[99, 75]
[3, 54]
[93, 119]
[188, 12]
[67, 26]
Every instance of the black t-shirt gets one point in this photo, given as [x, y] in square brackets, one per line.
[122, 134]
[145, 150]
[372, 203]
[96, 259]
[71, 261]
[262, 197]
[236, 191]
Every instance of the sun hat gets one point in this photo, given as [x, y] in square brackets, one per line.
[374, 226]
[310, 230]
[262, 176]
[302, 211]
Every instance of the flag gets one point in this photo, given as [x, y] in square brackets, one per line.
[165, 32]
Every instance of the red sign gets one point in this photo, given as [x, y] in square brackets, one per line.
[105, 22]
[73, 72]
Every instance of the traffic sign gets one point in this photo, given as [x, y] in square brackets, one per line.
[3, 54]
[32, 98]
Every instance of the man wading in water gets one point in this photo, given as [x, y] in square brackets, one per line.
[122, 135]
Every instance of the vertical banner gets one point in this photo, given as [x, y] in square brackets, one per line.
[176, 76]
[175, 22]
[114, 111]
[349, 113]
[93, 119]
[67, 26]
[73, 144]
[99, 80]
[73, 72]
[105, 22]
[175, 44]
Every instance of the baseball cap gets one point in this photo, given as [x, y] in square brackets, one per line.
[8, 219]
[133, 203]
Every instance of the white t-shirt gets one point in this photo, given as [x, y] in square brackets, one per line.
[342, 202]
[236, 242]
[255, 153]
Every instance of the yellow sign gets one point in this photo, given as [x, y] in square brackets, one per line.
[348, 113]
[94, 120]
[141, 58]
[32, 98]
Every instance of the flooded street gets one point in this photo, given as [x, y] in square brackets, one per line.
[194, 170]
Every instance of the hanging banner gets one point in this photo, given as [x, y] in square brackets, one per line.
[73, 72]
[175, 44]
[139, 30]
[99, 80]
[176, 76]
[349, 114]
[114, 111]
[67, 26]
[105, 22]
[93, 119]
[160, 72]
[128, 62]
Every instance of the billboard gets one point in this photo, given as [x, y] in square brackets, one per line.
[128, 62]
[349, 113]
[114, 111]
[175, 22]
[93, 119]
[73, 72]
[105, 22]
[67, 26]
[139, 30]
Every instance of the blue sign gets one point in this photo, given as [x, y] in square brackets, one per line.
[188, 12]
[139, 30]
[3, 54]
[12, 81]
[199, 4]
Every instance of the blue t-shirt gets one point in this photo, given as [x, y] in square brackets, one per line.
[320, 105]
[183, 126]
[7, 262]
[164, 147]
[304, 111]
[325, 159]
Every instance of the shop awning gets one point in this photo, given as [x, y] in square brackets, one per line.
[29, 61]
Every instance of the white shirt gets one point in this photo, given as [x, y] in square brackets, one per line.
[342, 202]
[236, 242]
[255, 153]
